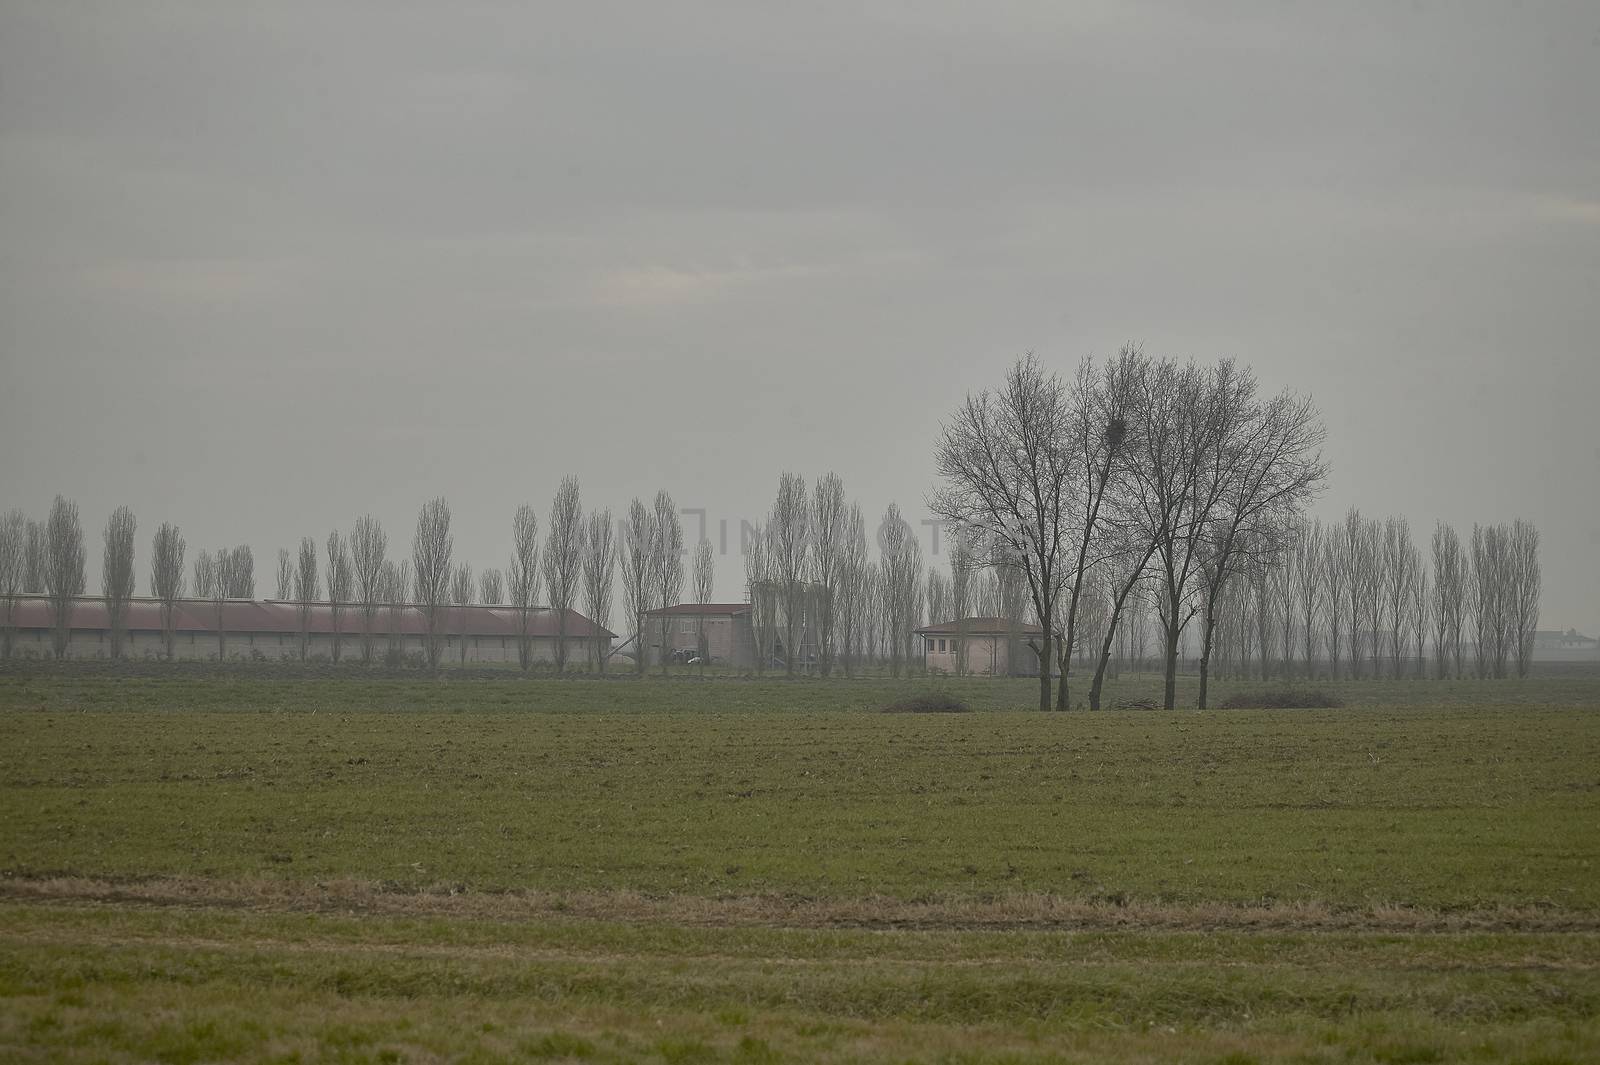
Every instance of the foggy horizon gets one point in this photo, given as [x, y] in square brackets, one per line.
[269, 270]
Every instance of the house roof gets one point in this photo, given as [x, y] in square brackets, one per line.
[273, 616]
[694, 609]
[977, 627]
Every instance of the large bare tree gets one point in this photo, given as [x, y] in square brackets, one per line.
[431, 547]
[1099, 405]
[166, 578]
[563, 559]
[1266, 464]
[599, 577]
[638, 590]
[13, 551]
[63, 569]
[306, 587]
[523, 577]
[116, 575]
[491, 587]
[341, 587]
[1007, 475]
[369, 549]
[666, 560]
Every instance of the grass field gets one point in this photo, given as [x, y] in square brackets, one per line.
[265, 868]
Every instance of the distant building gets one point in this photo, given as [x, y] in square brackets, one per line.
[675, 630]
[1569, 646]
[989, 646]
[270, 630]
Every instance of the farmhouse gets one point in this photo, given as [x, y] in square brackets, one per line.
[271, 630]
[1568, 646]
[729, 632]
[993, 646]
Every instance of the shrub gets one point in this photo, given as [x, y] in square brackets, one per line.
[928, 703]
[1281, 699]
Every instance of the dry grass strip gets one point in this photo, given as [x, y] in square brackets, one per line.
[999, 912]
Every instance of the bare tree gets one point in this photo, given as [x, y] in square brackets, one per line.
[524, 577]
[431, 548]
[666, 560]
[341, 587]
[1007, 473]
[223, 581]
[1419, 613]
[1099, 405]
[599, 576]
[1449, 600]
[1336, 592]
[1357, 562]
[166, 578]
[852, 596]
[369, 549]
[961, 590]
[491, 587]
[305, 591]
[33, 559]
[638, 590]
[461, 588]
[63, 569]
[1525, 590]
[1492, 593]
[938, 597]
[1400, 570]
[1310, 602]
[563, 559]
[828, 529]
[13, 552]
[763, 598]
[285, 575]
[394, 583]
[704, 576]
[789, 528]
[1266, 464]
[205, 575]
[242, 580]
[901, 561]
[116, 575]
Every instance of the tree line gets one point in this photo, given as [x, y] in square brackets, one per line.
[1135, 507]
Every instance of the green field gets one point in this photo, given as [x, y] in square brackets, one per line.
[262, 867]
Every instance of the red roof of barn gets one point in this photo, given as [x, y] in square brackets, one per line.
[691, 609]
[977, 627]
[269, 615]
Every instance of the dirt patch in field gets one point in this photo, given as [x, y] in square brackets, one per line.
[1017, 911]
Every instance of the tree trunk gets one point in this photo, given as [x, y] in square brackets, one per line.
[1169, 698]
[1044, 671]
[1205, 654]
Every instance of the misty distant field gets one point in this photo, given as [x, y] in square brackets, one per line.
[244, 867]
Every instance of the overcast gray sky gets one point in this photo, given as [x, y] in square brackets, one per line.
[266, 267]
